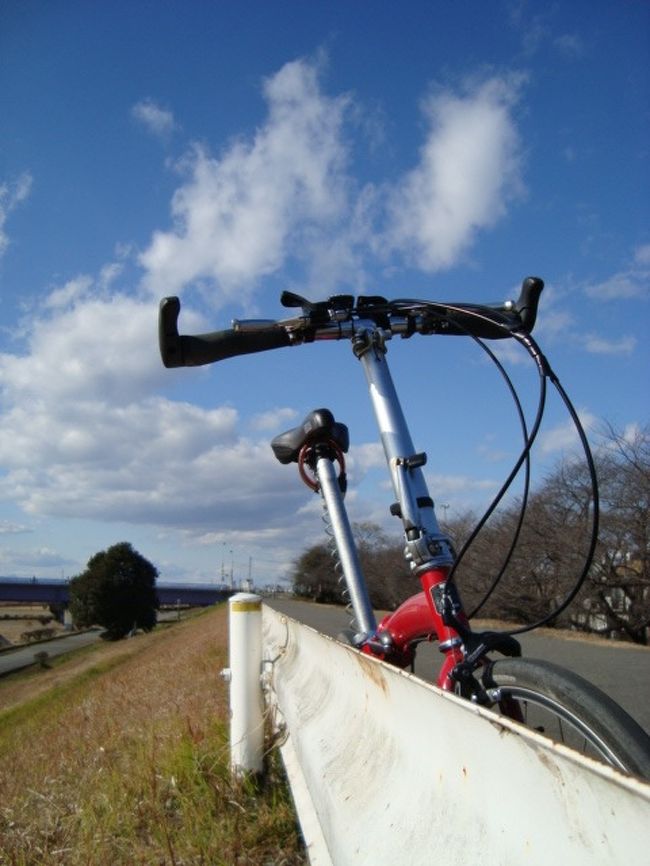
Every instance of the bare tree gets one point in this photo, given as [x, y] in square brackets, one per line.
[554, 540]
[316, 574]
[617, 598]
[550, 554]
[530, 582]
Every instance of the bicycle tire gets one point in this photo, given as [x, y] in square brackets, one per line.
[588, 720]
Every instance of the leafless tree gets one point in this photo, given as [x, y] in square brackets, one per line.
[550, 554]
[616, 601]
[316, 574]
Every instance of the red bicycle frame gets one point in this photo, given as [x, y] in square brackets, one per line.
[418, 619]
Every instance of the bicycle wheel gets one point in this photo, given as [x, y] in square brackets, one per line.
[566, 708]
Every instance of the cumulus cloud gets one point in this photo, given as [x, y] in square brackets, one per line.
[630, 282]
[159, 121]
[598, 345]
[366, 456]
[564, 437]
[37, 559]
[274, 419]
[84, 347]
[85, 434]
[11, 195]
[235, 215]
[642, 255]
[620, 286]
[463, 491]
[557, 323]
[469, 169]
[285, 195]
[8, 527]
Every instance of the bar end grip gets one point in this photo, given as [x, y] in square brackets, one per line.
[528, 301]
[171, 350]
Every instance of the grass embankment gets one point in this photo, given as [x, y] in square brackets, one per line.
[122, 758]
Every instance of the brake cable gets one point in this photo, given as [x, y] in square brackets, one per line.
[524, 457]
[443, 313]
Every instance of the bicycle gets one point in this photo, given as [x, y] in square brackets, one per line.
[548, 698]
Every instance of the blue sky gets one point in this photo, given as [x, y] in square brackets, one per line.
[225, 151]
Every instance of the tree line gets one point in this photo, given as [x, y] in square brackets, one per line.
[615, 598]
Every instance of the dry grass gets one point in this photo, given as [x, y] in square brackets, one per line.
[123, 759]
[22, 618]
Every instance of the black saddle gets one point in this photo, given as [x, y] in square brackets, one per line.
[318, 426]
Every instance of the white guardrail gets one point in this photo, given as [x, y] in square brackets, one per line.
[387, 769]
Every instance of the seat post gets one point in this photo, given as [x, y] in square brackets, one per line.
[346, 547]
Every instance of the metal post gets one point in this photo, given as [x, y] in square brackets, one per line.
[246, 702]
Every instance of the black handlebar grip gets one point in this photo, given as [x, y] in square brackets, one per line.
[192, 351]
[168, 339]
[526, 305]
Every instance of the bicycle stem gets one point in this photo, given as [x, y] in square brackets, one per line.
[426, 546]
[427, 549]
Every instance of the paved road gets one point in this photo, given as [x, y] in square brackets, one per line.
[22, 657]
[621, 670]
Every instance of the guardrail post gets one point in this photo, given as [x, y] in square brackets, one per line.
[244, 676]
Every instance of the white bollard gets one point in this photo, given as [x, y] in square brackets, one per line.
[244, 675]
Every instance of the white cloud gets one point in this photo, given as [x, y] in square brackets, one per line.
[602, 346]
[284, 194]
[366, 456]
[236, 215]
[85, 347]
[8, 527]
[274, 419]
[455, 484]
[557, 323]
[470, 168]
[74, 290]
[623, 285]
[630, 282]
[642, 255]
[84, 435]
[157, 120]
[37, 559]
[564, 436]
[570, 46]
[11, 195]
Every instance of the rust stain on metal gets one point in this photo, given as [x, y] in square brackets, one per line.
[373, 671]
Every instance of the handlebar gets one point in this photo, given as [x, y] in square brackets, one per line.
[340, 318]
[192, 351]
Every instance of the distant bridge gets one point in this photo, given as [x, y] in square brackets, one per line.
[55, 591]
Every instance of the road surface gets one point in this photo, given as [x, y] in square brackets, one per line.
[620, 670]
[23, 656]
